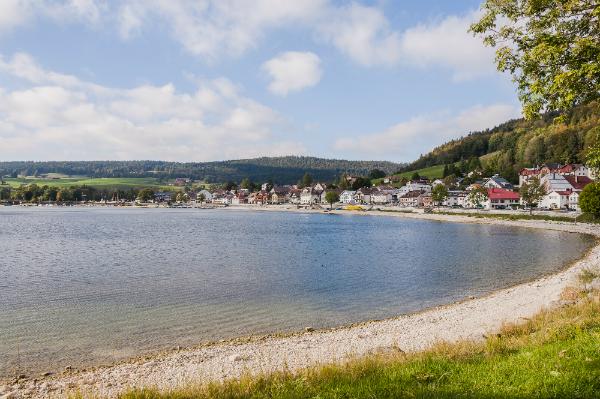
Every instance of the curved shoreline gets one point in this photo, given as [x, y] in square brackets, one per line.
[467, 319]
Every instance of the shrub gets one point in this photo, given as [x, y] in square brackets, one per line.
[589, 199]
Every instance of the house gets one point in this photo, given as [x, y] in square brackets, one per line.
[363, 195]
[410, 199]
[574, 201]
[207, 195]
[239, 198]
[578, 182]
[280, 194]
[310, 195]
[225, 198]
[574, 169]
[500, 198]
[162, 196]
[259, 198]
[347, 197]
[382, 195]
[437, 182]
[416, 185]
[455, 199]
[555, 182]
[556, 199]
[294, 196]
[425, 200]
[527, 174]
[497, 182]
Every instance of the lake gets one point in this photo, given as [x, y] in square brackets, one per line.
[86, 286]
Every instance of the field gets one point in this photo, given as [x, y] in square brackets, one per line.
[104, 182]
[432, 172]
[554, 355]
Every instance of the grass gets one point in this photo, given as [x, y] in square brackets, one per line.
[556, 354]
[524, 216]
[103, 182]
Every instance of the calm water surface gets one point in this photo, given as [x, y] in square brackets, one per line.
[88, 286]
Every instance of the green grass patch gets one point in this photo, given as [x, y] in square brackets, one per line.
[102, 182]
[556, 354]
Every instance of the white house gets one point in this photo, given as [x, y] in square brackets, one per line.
[207, 195]
[381, 197]
[497, 182]
[415, 186]
[310, 195]
[347, 197]
[455, 198]
[555, 182]
[363, 195]
[574, 201]
[556, 199]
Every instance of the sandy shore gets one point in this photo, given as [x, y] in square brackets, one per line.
[470, 319]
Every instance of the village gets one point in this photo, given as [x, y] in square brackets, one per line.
[559, 189]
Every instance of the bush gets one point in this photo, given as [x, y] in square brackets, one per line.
[589, 199]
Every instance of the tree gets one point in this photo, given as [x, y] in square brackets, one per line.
[201, 198]
[145, 195]
[593, 159]
[361, 182]
[415, 176]
[478, 196]
[246, 184]
[532, 192]
[551, 48]
[332, 197]
[307, 180]
[589, 200]
[439, 193]
[376, 174]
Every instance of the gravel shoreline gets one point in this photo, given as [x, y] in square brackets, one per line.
[471, 319]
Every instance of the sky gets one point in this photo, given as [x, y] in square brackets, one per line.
[206, 80]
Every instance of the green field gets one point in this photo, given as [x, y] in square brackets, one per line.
[103, 182]
[432, 172]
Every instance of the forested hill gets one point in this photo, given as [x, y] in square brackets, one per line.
[519, 143]
[283, 170]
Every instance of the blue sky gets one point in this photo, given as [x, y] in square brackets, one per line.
[210, 80]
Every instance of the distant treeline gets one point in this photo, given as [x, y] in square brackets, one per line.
[519, 143]
[281, 170]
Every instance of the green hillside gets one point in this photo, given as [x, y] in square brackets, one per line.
[282, 170]
[518, 143]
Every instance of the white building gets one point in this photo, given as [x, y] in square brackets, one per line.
[347, 197]
[556, 199]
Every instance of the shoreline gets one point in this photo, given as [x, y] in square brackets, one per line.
[466, 319]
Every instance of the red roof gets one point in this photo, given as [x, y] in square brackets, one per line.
[570, 168]
[578, 182]
[529, 172]
[500, 193]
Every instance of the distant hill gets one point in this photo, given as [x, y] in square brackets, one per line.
[283, 170]
[519, 143]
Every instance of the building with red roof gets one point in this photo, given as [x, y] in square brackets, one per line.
[500, 198]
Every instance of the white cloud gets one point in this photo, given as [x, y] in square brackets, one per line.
[14, 13]
[58, 116]
[293, 71]
[362, 33]
[447, 43]
[213, 28]
[421, 134]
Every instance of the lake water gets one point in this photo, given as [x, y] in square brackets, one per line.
[92, 286]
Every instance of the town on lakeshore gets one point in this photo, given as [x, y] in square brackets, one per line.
[548, 187]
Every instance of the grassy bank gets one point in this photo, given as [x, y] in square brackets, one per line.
[554, 355]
